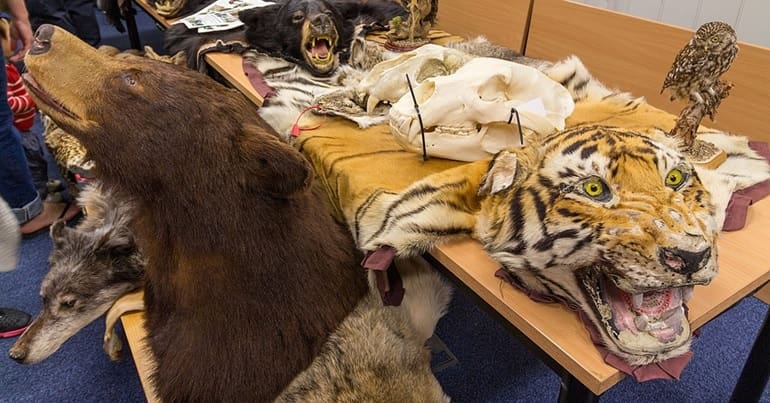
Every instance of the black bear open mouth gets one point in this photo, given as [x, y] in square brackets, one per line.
[319, 51]
[45, 98]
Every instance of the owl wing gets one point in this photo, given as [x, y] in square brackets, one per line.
[685, 67]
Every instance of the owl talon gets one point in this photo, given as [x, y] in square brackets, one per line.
[694, 96]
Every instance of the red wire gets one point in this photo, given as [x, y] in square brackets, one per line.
[295, 129]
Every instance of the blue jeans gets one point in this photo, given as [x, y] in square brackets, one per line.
[16, 186]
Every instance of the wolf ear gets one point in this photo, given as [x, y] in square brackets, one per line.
[500, 174]
[58, 232]
[116, 241]
[274, 167]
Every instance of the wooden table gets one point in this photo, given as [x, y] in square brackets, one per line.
[552, 330]
[557, 331]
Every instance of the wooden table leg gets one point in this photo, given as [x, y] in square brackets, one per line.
[756, 370]
[133, 31]
[572, 391]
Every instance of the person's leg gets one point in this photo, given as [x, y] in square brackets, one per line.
[48, 12]
[82, 15]
[36, 160]
[16, 186]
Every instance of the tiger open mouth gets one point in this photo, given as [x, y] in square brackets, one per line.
[639, 323]
[45, 99]
[319, 52]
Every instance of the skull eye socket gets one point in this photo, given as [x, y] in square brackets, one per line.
[676, 178]
[596, 189]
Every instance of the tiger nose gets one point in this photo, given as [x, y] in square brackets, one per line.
[682, 261]
[42, 43]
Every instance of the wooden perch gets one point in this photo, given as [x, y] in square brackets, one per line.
[691, 116]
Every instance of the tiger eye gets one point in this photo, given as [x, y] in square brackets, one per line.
[675, 178]
[593, 188]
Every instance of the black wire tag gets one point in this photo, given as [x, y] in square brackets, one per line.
[419, 118]
[514, 112]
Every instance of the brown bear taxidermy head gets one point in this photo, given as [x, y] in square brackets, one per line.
[246, 270]
[315, 34]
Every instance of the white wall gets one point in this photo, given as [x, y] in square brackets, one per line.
[750, 18]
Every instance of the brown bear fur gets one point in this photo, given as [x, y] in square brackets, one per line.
[247, 272]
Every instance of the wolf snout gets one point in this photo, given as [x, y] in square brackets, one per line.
[18, 353]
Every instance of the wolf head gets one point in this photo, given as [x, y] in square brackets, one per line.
[90, 267]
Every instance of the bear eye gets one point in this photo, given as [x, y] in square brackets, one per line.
[298, 17]
[596, 189]
[675, 178]
[129, 80]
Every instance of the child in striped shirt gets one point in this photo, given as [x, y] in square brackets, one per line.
[25, 114]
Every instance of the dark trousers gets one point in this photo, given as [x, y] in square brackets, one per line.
[76, 16]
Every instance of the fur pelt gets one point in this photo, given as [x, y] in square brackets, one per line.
[247, 272]
[294, 29]
[92, 265]
[388, 198]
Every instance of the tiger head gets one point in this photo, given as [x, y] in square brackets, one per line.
[614, 221]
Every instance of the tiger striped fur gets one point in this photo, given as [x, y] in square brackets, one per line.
[606, 215]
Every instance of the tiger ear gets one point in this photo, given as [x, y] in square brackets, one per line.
[500, 174]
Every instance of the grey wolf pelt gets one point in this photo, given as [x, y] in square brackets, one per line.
[92, 265]
[247, 273]
[378, 353]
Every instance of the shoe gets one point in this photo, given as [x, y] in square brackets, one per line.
[54, 185]
[51, 212]
[55, 197]
[13, 322]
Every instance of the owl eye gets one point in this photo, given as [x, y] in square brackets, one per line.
[714, 39]
[676, 178]
[596, 189]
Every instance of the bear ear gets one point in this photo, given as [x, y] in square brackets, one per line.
[500, 174]
[273, 167]
[267, 15]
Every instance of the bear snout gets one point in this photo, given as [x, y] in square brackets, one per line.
[42, 42]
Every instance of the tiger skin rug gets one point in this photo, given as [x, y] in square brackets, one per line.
[607, 215]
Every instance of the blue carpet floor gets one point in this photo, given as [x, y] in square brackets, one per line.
[491, 365]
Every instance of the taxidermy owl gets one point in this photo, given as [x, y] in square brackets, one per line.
[699, 64]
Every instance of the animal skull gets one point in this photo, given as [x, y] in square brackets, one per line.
[468, 115]
[387, 79]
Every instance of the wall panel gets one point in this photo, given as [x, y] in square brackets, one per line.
[634, 54]
[502, 21]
